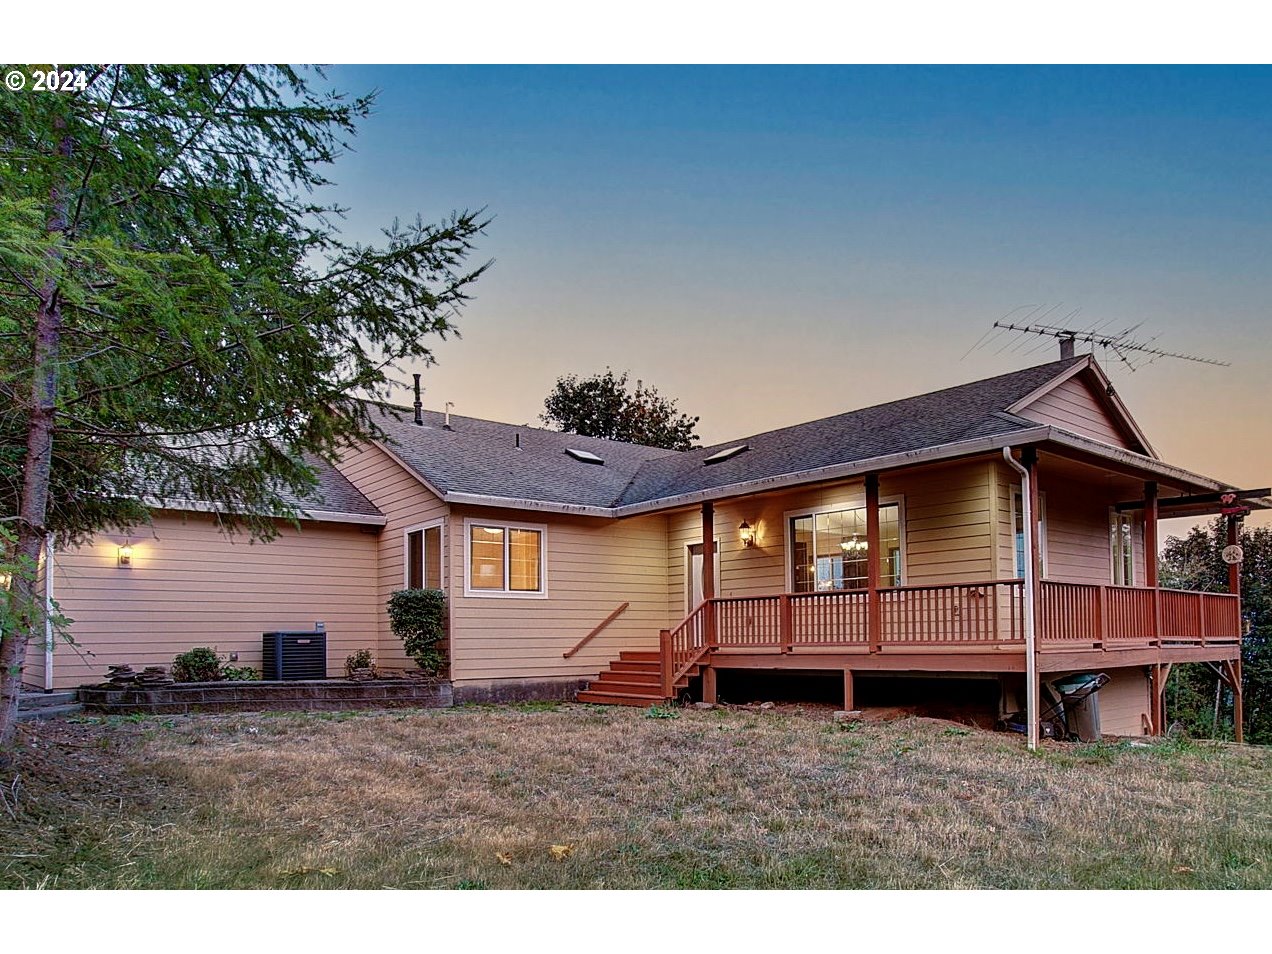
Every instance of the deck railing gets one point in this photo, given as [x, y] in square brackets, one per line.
[1070, 615]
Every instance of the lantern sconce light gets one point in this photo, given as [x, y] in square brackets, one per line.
[746, 533]
[123, 556]
[6, 580]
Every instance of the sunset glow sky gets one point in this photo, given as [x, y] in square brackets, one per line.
[773, 245]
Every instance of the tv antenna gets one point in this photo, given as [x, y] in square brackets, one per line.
[1132, 351]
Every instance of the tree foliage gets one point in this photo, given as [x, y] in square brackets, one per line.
[604, 406]
[1194, 563]
[179, 316]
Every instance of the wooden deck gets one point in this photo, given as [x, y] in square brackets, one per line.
[963, 627]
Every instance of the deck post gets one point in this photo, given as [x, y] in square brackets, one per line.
[709, 683]
[1234, 569]
[1150, 556]
[785, 623]
[848, 690]
[708, 573]
[667, 665]
[874, 621]
[1238, 701]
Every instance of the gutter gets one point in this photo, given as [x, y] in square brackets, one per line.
[330, 516]
[1031, 632]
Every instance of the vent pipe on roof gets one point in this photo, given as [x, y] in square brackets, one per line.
[518, 440]
[419, 405]
[449, 405]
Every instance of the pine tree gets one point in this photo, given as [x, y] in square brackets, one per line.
[179, 317]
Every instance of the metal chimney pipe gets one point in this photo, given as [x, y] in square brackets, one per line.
[449, 405]
[419, 405]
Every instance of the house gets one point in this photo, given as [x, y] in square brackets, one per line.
[889, 543]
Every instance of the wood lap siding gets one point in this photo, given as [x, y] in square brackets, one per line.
[591, 567]
[405, 502]
[948, 535]
[192, 586]
[1075, 407]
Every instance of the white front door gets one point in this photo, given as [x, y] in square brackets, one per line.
[693, 575]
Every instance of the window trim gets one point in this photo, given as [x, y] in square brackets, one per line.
[1042, 532]
[440, 524]
[1114, 516]
[505, 594]
[898, 500]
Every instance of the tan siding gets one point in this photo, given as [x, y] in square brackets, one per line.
[947, 531]
[192, 586]
[1075, 407]
[592, 566]
[405, 502]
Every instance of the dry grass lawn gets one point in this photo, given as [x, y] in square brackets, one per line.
[585, 797]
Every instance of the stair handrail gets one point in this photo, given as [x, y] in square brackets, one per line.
[671, 672]
[596, 631]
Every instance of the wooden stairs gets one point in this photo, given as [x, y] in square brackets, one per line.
[633, 679]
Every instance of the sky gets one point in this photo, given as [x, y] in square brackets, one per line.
[770, 245]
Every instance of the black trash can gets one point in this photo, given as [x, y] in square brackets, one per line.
[1079, 694]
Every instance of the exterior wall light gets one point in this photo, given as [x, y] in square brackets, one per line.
[123, 555]
[746, 533]
[6, 580]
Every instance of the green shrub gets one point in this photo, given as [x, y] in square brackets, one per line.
[239, 673]
[418, 618]
[200, 664]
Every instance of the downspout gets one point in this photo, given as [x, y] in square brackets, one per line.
[48, 613]
[1031, 656]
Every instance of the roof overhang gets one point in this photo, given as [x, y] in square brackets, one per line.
[318, 516]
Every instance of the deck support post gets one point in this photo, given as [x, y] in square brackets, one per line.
[848, 691]
[1238, 701]
[709, 684]
[874, 620]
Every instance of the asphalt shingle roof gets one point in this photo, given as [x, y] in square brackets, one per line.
[334, 493]
[483, 457]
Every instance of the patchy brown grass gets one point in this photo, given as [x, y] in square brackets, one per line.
[480, 797]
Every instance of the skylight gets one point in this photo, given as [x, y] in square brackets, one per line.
[727, 454]
[585, 456]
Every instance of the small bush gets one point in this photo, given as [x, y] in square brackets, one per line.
[239, 673]
[418, 618]
[362, 659]
[200, 664]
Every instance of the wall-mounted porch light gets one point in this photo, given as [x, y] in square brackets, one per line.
[746, 533]
[123, 556]
[6, 580]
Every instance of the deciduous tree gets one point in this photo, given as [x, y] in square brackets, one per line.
[604, 406]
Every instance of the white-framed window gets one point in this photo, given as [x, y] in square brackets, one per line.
[1018, 532]
[1122, 547]
[422, 557]
[827, 548]
[505, 559]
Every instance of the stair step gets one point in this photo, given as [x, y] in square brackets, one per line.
[619, 698]
[627, 665]
[42, 700]
[644, 678]
[49, 712]
[626, 656]
[626, 688]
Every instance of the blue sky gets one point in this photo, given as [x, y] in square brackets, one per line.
[771, 245]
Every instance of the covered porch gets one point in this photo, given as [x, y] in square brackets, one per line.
[1032, 622]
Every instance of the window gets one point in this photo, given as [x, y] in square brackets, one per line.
[829, 550]
[504, 560]
[1018, 532]
[1122, 547]
[423, 557]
